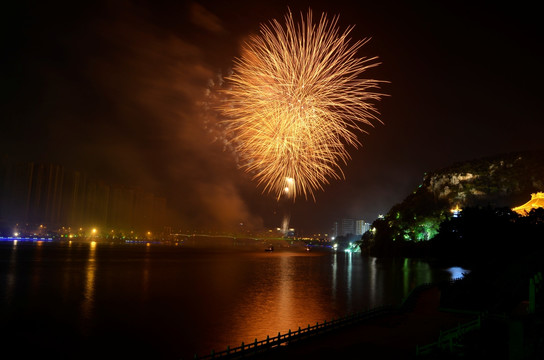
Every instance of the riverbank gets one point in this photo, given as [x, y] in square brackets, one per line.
[444, 321]
[395, 335]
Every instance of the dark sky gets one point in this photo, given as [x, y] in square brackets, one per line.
[116, 89]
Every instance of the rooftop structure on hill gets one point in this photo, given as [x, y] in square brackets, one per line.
[537, 201]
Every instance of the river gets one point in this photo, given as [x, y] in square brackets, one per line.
[82, 300]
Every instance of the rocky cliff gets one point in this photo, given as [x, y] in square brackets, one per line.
[503, 180]
[506, 180]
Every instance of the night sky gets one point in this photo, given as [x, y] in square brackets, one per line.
[118, 90]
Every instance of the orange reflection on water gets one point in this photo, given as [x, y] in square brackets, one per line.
[88, 295]
[145, 275]
[280, 304]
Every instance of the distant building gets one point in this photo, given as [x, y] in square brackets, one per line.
[361, 227]
[456, 211]
[537, 201]
[335, 230]
[347, 227]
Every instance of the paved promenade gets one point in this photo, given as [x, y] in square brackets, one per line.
[389, 337]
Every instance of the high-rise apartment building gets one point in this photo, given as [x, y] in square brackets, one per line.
[349, 227]
[361, 227]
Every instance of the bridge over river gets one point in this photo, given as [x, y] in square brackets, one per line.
[241, 242]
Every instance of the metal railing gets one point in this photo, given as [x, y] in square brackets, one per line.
[448, 339]
[257, 347]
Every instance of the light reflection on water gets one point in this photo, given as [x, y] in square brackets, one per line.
[145, 275]
[291, 290]
[457, 272]
[10, 274]
[88, 295]
[172, 302]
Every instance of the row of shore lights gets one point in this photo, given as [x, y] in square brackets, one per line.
[94, 232]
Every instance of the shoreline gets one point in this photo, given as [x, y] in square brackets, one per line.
[417, 328]
[394, 334]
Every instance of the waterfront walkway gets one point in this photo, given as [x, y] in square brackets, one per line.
[391, 336]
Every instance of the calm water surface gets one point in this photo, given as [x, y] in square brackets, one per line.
[165, 302]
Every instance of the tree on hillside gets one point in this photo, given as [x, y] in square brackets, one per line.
[483, 234]
[418, 217]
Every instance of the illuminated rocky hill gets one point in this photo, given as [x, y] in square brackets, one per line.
[506, 180]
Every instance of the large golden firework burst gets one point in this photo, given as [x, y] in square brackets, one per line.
[296, 100]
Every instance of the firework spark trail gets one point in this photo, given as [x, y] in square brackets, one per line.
[296, 101]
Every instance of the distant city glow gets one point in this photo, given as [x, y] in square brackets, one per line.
[296, 101]
[19, 238]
